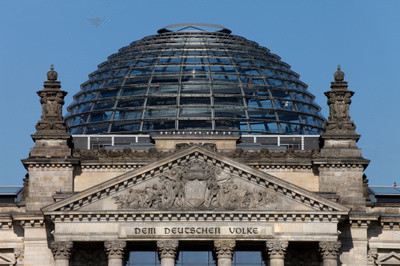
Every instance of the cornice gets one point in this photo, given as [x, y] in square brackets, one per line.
[192, 216]
[42, 162]
[29, 220]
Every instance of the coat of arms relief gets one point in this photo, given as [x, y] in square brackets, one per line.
[196, 185]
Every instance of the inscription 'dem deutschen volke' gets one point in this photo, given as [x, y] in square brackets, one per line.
[193, 230]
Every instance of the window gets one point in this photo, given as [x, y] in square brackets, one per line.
[143, 258]
[247, 258]
[198, 258]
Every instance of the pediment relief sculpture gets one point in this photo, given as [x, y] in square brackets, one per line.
[196, 185]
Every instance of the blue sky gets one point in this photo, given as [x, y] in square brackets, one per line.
[312, 36]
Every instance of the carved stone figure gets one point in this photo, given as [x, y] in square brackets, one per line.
[372, 256]
[19, 256]
[194, 185]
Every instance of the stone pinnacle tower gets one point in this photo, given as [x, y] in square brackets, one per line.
[50, 163]
[341, 163]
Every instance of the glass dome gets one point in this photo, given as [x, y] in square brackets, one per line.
[188, 78]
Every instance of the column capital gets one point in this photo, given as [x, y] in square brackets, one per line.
[329, 249]
[224, 248]
[277, 248]
[61, 249]
[115, 249]
[167, 248]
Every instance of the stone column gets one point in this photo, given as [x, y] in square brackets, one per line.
[276, 250]
[167, 250]
[61, 252]
[115, 252]
[329, 251]
[224, 250]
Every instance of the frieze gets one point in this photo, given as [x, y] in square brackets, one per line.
[152, 153]
[126, 153]
[266, 153]
[195, 185]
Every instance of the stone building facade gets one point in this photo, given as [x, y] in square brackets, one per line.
[197, 192]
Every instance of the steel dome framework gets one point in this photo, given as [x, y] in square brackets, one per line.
[194, 80]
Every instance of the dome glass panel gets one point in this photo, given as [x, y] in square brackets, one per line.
[194, 80]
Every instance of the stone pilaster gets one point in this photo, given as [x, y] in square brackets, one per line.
[330, 252]
[50, 163]
[372, 256]
[61, 252]
[167, 251]
[340, 163]
[224, 250]
[115, 252]
[276, 250]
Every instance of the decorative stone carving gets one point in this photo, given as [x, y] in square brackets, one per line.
[62, 249]
[126, 153]
[19, 256]
[195, 184]
[167, 248]
[372, 256]
[277, 248]
[208, 146]
[115, 249]
[52, 100]
[329, 249]
[224, 248]
[265, 153]
[339, 104]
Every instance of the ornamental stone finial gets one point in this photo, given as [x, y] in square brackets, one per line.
[339, 100]
[339, 75]
[167, 248]
[224, 248]
[277, 248]
[52, 75]
[51, 125]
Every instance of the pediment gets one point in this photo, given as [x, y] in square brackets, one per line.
[6, 259]
[391, 258]
[192, 180]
